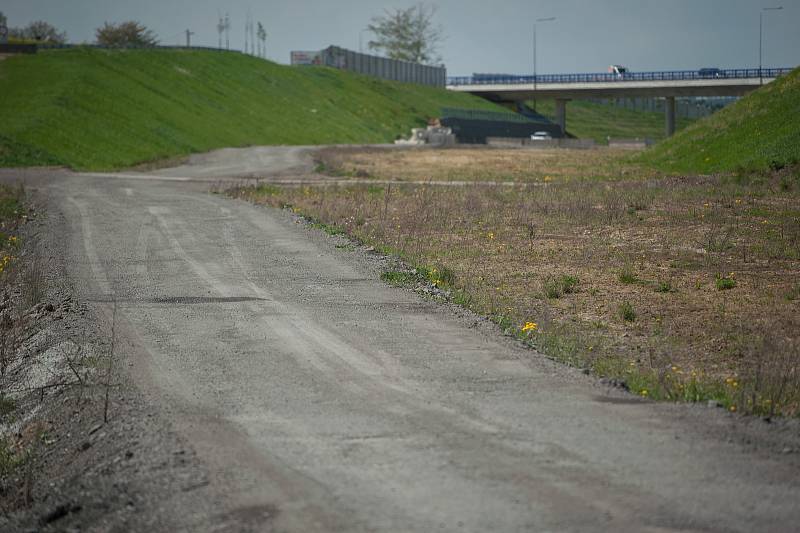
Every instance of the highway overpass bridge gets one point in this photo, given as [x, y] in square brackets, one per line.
[565, 87]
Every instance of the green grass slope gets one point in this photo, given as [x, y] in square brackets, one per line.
[590, 120]
[759, 131]
[104, 109]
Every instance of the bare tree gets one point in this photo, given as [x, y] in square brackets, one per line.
[408, 34]
[39, 31]
[125, 34]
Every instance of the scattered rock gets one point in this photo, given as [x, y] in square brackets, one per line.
[614, 382]
[60, 512]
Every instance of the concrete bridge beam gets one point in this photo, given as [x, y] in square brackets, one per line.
[561, 114]
[669, 115]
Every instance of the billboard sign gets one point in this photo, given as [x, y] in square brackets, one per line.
[306, 58]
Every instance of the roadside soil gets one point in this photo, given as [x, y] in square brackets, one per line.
[73, 470]
[706, 266]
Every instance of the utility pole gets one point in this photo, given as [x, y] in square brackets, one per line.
[189, 38]
[262, 38]
[220, 28]
[761, 39]
[227, 32]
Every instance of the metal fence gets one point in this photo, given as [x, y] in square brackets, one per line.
[479, 114]
[382, 67]
[670, 75]
[50, 46]
[17, 48]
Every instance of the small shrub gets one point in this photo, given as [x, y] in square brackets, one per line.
[725, 283]
[627, 312]
[628, 276]
[462, 298]
[552, 289]
[265, 189]
[558, 287]
[442, 276]
[7, 406]
[664, 286]
[794, 293]
[569, 284]
[777, 164]
[398, 278]
[9, 460]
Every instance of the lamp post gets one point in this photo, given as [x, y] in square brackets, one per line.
[761, 39]
[547, 19]
[361, 40]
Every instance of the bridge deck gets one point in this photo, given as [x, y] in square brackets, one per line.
[735, 82]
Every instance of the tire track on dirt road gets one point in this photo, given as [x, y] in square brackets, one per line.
[334, 402]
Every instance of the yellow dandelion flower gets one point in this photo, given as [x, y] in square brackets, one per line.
[530, 326]
[643, 393]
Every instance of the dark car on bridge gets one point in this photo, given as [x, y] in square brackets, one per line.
[709, 72]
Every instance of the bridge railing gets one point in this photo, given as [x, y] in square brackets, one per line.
[670, 75]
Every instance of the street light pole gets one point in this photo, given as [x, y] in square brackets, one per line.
[548, 19]
[761, 39]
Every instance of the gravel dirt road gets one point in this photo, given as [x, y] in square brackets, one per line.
[316, 398]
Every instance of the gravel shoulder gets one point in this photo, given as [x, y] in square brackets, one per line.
[267, 380]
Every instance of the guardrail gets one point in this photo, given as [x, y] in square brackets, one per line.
[670, 75]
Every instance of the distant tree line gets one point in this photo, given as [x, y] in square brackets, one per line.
[121, 35]
[37, 31]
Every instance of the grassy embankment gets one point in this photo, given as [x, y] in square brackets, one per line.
[757, 132]
[102, 109]
[682, 287]
[589, 120]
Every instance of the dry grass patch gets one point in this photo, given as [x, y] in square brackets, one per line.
[476, 164]
[620, 275]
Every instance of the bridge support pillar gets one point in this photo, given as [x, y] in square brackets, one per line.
[561, 114]
[669, 115]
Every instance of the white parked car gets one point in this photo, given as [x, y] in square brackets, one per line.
[541, 136]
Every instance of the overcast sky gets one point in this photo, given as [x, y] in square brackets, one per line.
[482, 35]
